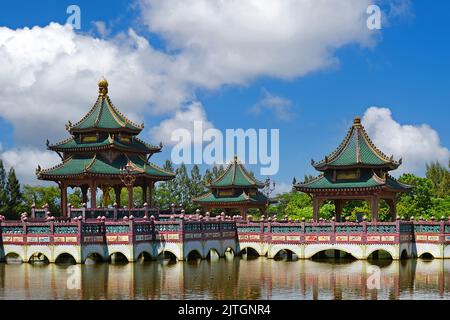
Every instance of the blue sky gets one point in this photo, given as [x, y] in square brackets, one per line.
[406, 70]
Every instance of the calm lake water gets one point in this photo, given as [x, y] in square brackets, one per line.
[225, 279]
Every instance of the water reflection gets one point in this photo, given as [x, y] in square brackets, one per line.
[227, 279]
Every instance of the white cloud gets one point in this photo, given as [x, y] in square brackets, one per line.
[182, 119]
[282, 187]
[280, 106]
[101, 28]
[49, 76]
[26, 160]
[416, 144]
[237, 40]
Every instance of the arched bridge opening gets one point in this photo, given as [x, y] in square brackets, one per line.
[93, 258]
[13, 258]
[333, 254]
[285, 255]
[167, 257]
[38, 258]
[65, 259]
[144, 257]
[193, 256]
[118, 258]
[249, 253]
[426, 256]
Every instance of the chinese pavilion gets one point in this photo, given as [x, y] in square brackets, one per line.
[104, 152]
[356, 170]
[235, 188]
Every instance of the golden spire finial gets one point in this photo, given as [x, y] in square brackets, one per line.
[103, 86]
[357, 121]
[235, 158]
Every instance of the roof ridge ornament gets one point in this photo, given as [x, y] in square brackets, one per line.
[103, 87]
[357, 121]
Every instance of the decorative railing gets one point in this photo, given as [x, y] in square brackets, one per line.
[65, 229]
[427, 228]
[319, 229]
[382, 228]
[316, 232]
[193, 227]
[42, 229]
[112, 213]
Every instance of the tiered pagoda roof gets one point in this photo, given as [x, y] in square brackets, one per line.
[234, 186]
[104, 116]
[235, 175]
[101, 143]
[356, 165]
[367, 181]
[357, 151]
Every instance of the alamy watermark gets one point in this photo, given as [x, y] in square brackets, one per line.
[211, 147]
[75, 16]
[74, 279]
[374, 280]
[373, 22]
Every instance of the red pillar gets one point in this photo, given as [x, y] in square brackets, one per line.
[93, 198]
[338, 204]
[316, 208]
[63, 188]
[374, 208]
[144, 194]
[84, 191]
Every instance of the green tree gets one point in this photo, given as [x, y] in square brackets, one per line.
[39, 196]
[164, 193]
[208, 177]
[14, 195]
[440, 177]
[197, 186]
[75, 198]
[3, 193]
[182, 183]
[217, 171]
[417, 202]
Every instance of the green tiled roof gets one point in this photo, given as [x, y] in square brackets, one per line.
[243, 197]
[235, 175]
[368, 179]
[97, 165]
[72, 144]
[357, 150]
[104, 115]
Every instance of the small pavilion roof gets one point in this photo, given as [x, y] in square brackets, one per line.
[79, 165]
[72, 145]
[211, 198]
[235, 175]
[104, 116]
[367, 181]
[357, 150]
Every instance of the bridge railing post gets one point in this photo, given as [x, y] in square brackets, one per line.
[364, 231]
[146, 210]
[25, 227]
[52, 226]
[131, 223]
[80, 229]
[115, 211]
[83, 211]
[442, 229]
[33, 211]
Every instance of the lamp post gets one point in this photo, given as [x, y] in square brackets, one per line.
[128, 179]
[268, 189]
